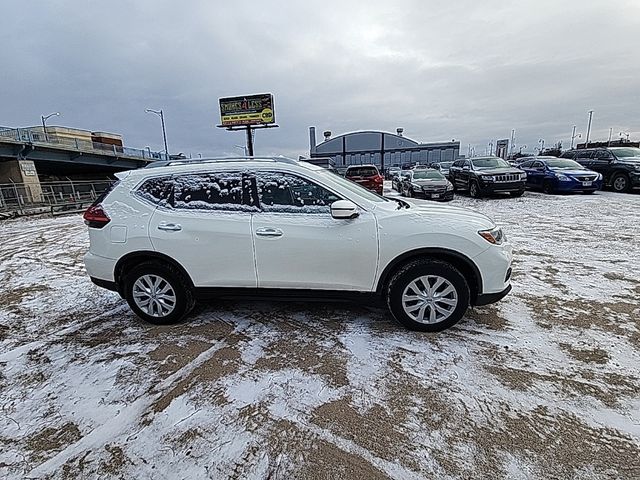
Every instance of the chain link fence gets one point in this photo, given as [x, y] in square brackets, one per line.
[60, 196]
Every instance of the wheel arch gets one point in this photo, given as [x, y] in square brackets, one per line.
[464, 264]
[132, 259]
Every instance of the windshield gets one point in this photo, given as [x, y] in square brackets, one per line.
[627, 152]
[445, 164]
[564, 164]
[353, 187]
[482, 163]
[433, 174]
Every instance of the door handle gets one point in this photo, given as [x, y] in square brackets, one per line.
[269, 232]
[170, 227]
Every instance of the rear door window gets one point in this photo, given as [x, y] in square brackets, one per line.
[227, 191]
[584, 155]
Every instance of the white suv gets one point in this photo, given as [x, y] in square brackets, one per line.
[164, 237]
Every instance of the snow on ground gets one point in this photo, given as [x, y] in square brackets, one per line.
[545, 384]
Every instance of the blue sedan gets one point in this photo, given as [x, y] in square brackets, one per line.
[552, 174]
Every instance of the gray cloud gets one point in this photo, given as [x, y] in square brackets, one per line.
[466, 70]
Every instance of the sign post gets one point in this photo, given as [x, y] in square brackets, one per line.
[247, 112]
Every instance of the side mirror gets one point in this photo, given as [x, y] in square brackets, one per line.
[344, 209]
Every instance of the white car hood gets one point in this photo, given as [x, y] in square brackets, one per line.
[439, 214]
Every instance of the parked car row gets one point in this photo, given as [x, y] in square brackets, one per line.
[582, 171]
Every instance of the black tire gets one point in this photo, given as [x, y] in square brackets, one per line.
[184, 301]
[620, 183]
[519, 193]
[547, 187]
[415, 269]
[474, 189]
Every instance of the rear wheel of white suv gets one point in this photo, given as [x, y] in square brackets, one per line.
[428, 295]
[157, 293]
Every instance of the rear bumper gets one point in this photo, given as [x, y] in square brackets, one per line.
[489, 298]
[105, 284]
[99, 267]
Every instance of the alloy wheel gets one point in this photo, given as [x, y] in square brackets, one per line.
[154, 295]
[429, 299]
[620, 184]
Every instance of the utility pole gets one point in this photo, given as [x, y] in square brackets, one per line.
[586, 145]
[609, 141]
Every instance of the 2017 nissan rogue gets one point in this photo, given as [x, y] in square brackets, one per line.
[165, 237]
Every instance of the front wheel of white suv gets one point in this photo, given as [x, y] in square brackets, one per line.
[157, 293]
[428, 295]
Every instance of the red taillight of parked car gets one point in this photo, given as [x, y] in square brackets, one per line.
[95, 217]
[378, 179]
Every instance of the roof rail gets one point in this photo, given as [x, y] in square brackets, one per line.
[187, 161]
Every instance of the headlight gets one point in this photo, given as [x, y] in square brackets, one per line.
[494, 235]
[449, 186]
[418, 187]
[599, 177]
[637, 167]
[488, 178]
[562, 178]
[523, 176]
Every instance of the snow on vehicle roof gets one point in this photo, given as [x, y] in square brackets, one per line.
[200, 164]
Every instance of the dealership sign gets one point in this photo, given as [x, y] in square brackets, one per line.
[247, 110]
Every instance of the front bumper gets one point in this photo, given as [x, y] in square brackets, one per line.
[441, 195]
[501, 187]
[574, 185]
[635, 179]
[489, 298]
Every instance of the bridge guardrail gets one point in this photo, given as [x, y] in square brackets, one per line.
[38, 137]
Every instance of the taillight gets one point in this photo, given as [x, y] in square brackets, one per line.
[378, 179]
[95, 217]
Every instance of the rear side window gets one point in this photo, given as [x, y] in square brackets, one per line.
[105, 192]
[362, 172]
[211, 191]
[156, 190]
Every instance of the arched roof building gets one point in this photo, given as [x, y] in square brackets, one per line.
[383, 149]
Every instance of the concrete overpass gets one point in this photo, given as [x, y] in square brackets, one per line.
[28, 149]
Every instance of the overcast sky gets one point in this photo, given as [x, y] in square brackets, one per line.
[470, 70]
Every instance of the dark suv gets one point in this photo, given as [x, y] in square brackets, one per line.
[487, 175]
[620, 166]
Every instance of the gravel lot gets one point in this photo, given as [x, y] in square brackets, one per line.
[545, 384]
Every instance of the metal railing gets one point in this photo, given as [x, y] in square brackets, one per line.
[37, 136]
[19, 198]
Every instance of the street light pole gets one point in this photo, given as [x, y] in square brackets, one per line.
[541, 141]
[513, 140]
[160, 113]
[586, 145]
[44, 123]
